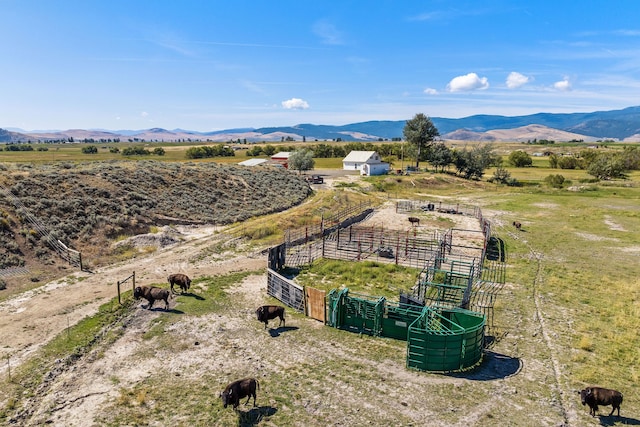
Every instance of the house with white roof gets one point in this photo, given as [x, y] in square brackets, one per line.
[368, 163]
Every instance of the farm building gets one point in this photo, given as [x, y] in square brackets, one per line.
[253, 162]
[367, 162]
[281, 158]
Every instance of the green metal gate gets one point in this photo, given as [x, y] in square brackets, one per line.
[445, 340]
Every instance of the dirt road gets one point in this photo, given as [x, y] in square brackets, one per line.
[29, 320]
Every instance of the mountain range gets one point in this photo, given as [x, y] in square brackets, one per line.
[617, 125]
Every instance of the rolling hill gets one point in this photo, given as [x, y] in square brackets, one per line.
[618, 125]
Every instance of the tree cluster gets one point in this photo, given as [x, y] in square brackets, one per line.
[600, 164]
[207, 151]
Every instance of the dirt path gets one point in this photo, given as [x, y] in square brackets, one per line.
[29, 320]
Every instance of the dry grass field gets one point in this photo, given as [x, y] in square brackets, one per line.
[567, 317]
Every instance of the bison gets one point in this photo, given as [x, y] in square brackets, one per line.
[268, 312]
[151, 294]
[594, 396]
[414, 221]
[239, 390]
[517, 225]
[181, 280]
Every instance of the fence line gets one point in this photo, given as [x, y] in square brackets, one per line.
[72, 256]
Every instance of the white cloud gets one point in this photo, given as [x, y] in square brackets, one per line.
[563, 85]
[430, 91]
[144, 114]
[515, 80]
[295, 104]
[468, 82]
[327, 32]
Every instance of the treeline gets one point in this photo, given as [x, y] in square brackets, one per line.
[208, 151]
[326, 151]
[602, 164]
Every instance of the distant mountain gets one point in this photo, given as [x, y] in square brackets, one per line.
[616, 125]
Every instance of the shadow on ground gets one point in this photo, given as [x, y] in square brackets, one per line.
[495, 366]
[253, 416]
[275, 332]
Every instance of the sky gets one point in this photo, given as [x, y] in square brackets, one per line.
[209, 65]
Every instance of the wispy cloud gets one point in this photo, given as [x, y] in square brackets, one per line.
[295, 104]
[430, 91]
[448, 14]
[328, 33]
[468, 83]
[515, 80]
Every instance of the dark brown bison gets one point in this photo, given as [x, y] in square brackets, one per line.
[181, 280]
[594, 396]
[151, 294]
[268, 312]
[239, 390]
[414, 221]
[517, 225]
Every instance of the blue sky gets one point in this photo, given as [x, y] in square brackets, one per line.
[211, 65]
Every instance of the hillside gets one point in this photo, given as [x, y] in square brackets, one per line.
[616, 124]
[88, 206]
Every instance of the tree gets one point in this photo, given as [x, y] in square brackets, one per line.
[420, 132]
[440, 156]
[520, 159]
[301, 160]
[607, 166]
[471, 164]
[269, 150]
[90, 149]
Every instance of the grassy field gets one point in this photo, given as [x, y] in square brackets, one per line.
[569, 317]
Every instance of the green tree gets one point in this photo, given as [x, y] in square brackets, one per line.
[440, 156]
[269, 150]
[520, 159]
[503, 176]
[420, 132]
[159, 151]
[90, 149]
[301, 160]
[471, 164]
[607, 166]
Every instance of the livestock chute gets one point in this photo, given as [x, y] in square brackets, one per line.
[445, 340]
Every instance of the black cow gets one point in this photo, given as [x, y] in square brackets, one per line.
[151, 294]
[181, 280]
[414, 221]
[238, 390]
[594, 396]
[517, 225]
[268, 312]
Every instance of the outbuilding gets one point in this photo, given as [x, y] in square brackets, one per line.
[367, 162]
[281, 158]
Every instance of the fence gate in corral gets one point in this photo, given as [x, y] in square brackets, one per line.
[315, 303]
[285, 290]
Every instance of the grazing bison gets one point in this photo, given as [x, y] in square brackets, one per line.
[414, 221]
[594, 396]
[517, 225]
[181, 280]
[239, 390]
[151, 294]
[268, 312]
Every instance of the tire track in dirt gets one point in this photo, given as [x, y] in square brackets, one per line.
[568, 415]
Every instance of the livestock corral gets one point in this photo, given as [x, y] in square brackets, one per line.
[454, 278]
[169, 367]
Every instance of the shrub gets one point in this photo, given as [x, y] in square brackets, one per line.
[554, 180]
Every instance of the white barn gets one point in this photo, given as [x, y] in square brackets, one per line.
[367, 162]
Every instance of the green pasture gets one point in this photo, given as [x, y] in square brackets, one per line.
[572, 296]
